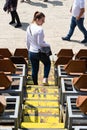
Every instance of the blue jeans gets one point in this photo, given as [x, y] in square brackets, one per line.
[35, 58]
[80, 25]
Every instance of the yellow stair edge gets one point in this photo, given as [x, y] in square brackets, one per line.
[42, 125]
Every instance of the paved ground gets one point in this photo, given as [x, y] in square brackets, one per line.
[56, 25]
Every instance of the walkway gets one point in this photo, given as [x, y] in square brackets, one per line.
[41, 107]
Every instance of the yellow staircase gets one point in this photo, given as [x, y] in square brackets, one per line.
[41, 106]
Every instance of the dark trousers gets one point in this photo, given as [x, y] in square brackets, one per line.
[15, 16]
[35, 58]
[80, 24]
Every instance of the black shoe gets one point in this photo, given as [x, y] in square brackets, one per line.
[66, 38]
[45, 0]
[18, 25]
[22, 1]
[84, 41]
[12, 22]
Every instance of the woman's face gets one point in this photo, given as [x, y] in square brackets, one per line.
[40, 21]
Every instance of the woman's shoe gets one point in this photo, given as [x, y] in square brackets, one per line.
[45, 0]
[18, 25]
[45, 82]
[12, 22]
[22, 1]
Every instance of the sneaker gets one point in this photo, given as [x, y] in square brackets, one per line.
[12, 22]
[66, 38]
[18, 25]
[45, 82]
[84, 41]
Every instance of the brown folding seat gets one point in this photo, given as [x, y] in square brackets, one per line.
[18, 60]
[1, 57]
[80, 82]
[65, 52]
[81, 53]
[21, 52]
[5, 53]
[2, 103]
[7, 66]
[5, 81]
[76, 67]
[62, 60]
[81, 103]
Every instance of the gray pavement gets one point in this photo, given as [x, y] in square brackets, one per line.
[56, 25]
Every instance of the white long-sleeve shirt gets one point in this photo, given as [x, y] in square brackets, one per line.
[35, 38]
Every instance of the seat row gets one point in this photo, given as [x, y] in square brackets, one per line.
[71, 78]
[13, 73]
[64, 55]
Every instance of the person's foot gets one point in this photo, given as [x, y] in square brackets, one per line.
[66, 38]
[18, 25]
[12, 22]
[84, 41]
[45, 82]
[22, 1]
[45, 0]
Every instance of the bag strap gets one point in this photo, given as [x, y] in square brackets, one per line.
[30, 30]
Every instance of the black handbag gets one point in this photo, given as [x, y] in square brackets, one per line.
[46, 50]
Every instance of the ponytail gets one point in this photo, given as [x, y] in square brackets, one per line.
[38, 15]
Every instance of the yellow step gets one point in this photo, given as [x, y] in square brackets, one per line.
[42, 96]
[29, 81]
[43, 90]
[42, 125]
[41, 86]
[50, 82]
[44, 111]
[40, 119]
[42, 104]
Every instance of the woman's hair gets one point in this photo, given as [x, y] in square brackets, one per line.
[38, 15]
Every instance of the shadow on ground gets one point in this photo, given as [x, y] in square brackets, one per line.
[39, 4]
[55, 3]
[24, 26]
[76, 41]
[44, 5]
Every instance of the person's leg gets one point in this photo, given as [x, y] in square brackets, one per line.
[17, 19]
[80, 24]
[47, 64]
[12, 17]
[71, 30]
[34, 58]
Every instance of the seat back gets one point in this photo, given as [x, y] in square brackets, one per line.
[1, 57]
[65, 52]
[62, 60]
[5, 82]
[75, 67]
[21, 52]
[5, 53]
[6, 65]
[18, 60]
[80, 82]
[81, 53]
[81, 103]
[2, 103]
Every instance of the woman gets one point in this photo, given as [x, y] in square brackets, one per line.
[11, 6]
[35, 40]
